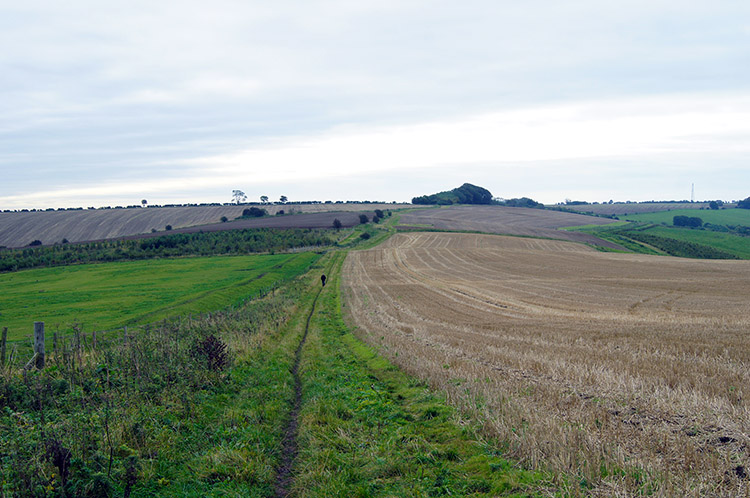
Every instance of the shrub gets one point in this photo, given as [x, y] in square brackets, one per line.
[687, 221]
[212, 351]
[254, 212]
[168, 227]
[36, 242]
[337, 224]
[364, 236]
[363, 218]
[224, 219]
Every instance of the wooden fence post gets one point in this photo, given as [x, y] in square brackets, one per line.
[125, 335]
[39, 344]
[2, 347]
[93, 339]
[4, 343]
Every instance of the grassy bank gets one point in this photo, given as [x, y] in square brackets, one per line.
[367, 429]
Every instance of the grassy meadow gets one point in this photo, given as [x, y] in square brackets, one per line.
[715, 216]
[715, 241]
[108, 295]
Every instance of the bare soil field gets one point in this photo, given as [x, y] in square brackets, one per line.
[626, 373]
[508, 221]
[622, 209]
[303, 220]
[18, 229]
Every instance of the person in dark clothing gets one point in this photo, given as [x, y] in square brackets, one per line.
[323, 280]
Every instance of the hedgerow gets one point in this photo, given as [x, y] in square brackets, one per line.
[192, 244]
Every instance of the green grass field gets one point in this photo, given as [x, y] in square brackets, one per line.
[717, 217]
[733, 244]
[110, 295]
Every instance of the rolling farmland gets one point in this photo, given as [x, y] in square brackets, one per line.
[626, 208]
[508, 220]
[18, 229]
[628, 372]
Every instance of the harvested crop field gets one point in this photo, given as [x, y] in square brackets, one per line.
[508, 221]
[626, 373]
[623, 208]
[18, 229]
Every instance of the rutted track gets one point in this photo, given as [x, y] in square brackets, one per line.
[289, 445]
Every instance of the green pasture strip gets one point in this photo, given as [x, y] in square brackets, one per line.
[613, 234]
[698, 243]
[581, 228]
[108, 295]
[225, 242]
[716, 216]
[368, 430]
[150, 418]
[733, 244]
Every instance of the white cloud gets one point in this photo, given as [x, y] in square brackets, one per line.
[638, 127]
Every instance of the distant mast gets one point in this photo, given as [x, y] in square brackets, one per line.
[692, 192]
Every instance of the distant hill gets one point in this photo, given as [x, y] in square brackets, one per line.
[465, 194]
[19, 229]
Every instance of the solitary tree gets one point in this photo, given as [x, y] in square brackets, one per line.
[337, 224]
[238, 196]
[263, 199]
[144, 202]
[363, 218]
[283, 199]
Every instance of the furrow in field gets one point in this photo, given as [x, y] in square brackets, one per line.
[604, 360]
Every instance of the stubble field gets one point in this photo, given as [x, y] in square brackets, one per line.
[509, 221]
[627, 374]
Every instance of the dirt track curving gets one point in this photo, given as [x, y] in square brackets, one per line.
[580, 360]
[508, 221]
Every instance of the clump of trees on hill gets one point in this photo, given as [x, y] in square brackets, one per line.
[472, 194]
[253, 212]
[687, 221]
[744, 204]
[465, 194]
[520, 202]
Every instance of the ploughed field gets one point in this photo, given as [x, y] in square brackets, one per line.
[509, 221]
[629, 372]
[18, 229]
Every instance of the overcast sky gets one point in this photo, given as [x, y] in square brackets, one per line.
[108, 103]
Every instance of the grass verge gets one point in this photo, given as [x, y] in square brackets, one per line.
[367, 429]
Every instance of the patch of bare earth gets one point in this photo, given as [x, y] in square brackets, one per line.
[509, 221]
[630, 372]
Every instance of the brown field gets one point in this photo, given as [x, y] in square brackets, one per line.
[626, 372]
[635, 208]
[508, 221]
[18, 229]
